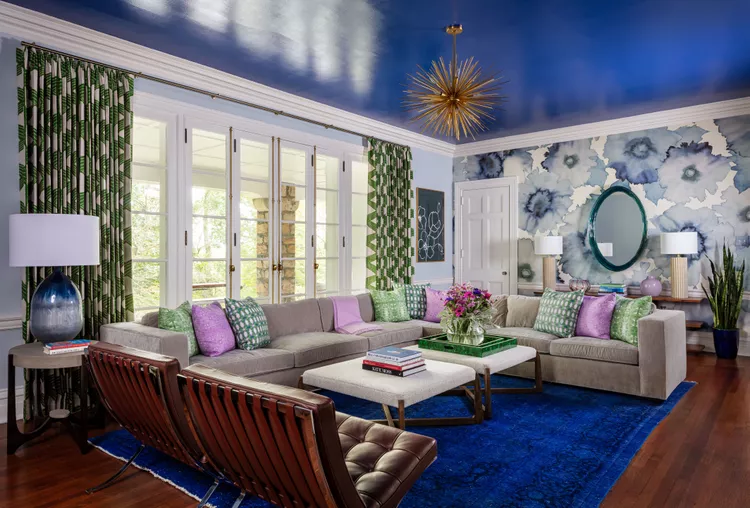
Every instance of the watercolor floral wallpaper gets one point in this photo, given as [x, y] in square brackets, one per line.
[689, 178]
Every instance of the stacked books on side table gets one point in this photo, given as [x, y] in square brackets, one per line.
[394, 361]
[620, 289]
[66, 346]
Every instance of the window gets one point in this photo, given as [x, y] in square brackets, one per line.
[227, 207]
[149, 214]
[328, 239]
[359, 224]
[209, 218]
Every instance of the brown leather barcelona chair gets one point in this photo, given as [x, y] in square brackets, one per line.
[139, 389]
[290, 447]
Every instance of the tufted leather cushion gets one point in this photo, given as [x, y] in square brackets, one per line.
[382, 461]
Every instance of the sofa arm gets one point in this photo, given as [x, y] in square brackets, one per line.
[661, 352]
[147, 338]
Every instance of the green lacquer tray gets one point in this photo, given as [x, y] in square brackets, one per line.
[489, 346]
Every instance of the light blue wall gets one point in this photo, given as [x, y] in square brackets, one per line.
[10, 278]
[433, 171]
[430, 170]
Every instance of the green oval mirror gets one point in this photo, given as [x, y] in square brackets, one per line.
[617, 229]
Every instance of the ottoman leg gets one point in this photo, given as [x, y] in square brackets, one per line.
[487, 394]
[537, 388]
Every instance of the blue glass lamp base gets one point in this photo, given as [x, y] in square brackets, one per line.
[56, 312]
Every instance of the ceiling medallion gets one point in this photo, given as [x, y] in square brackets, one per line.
[453, 100]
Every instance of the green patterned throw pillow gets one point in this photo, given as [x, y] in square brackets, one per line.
[390, 306]
[416, 299]
[558, 312]
[180, 320]
[624, 325]
[249, 323]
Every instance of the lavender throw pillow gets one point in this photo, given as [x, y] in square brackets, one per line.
[595, 316]
[212, 329]
[435, 304]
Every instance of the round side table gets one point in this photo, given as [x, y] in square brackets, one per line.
[32, 356]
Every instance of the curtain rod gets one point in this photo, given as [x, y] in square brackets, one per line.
[213, 95]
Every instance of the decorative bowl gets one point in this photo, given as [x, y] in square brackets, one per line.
[579, 285]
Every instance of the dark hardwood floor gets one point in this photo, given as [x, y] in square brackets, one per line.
[699, 456]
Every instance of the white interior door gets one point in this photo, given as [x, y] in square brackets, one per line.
[486, 234]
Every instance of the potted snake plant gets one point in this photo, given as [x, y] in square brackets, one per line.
[725, 296]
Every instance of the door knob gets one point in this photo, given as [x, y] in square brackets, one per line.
[505, 273]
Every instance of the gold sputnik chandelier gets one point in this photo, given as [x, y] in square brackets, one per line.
[453, 100]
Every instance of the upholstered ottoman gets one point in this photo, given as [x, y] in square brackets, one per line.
[439, 378]
[492, 364]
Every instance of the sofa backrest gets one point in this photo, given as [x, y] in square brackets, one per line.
[294, 317]
[366, 310]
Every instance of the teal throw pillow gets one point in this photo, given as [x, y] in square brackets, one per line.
[558, 312]
[390, 306]
[624, 325]
[416, 299]
[180, 320]
[248, 322]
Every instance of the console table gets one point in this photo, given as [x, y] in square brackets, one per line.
[690, 325]
[32, 356]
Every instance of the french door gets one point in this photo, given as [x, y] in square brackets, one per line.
[264, 217]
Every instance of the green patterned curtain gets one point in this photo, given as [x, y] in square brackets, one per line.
[74, 129]
[390, 235]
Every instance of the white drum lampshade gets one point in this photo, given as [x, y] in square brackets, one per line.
[549, 247]
[54, 240]
[46, 239]
[678, 245]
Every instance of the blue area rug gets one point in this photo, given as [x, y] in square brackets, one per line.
[565, 447]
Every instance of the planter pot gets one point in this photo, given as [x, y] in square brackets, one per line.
[726, 343]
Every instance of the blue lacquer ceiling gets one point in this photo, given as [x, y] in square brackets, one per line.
[568, 61]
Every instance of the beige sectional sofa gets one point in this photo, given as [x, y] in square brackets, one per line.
[303, 337]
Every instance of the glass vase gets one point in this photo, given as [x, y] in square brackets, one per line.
[465, 331]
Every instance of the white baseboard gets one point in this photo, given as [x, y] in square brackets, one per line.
[706, 339]
[4, 404]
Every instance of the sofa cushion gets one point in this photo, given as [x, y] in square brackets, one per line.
[315, 347]
[522, 311]
[416, 299]
[390, 306]
[249, 323]
[428, 328]
[248, 363]
[558, 312]
[526, 337]
[293, 318]
[499, 305]
[180, 320]
[591, 348]
[394, 333]
[366, 307]
[152, 319]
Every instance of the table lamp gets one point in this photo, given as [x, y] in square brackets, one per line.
[679, 245]
[549, 247]
[56, 240]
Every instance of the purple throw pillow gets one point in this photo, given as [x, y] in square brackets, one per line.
[212, 329]
[435, 304]
[595, 316]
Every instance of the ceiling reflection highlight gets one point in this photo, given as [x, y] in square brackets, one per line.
[331, 39]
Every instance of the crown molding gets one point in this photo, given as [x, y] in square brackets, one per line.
[31, 26]
[669, 117]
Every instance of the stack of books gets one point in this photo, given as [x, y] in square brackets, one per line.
[394, 361]
[66, 346]
[620, 289]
